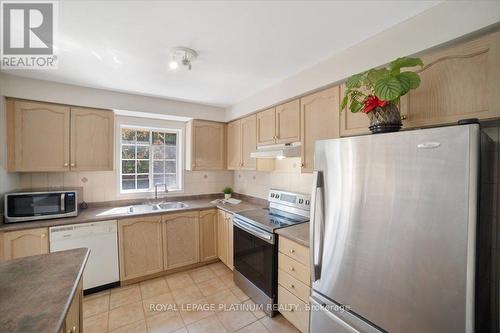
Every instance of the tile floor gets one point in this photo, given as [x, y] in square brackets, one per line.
[204, 299]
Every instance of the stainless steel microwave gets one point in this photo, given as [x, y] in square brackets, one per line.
[31, 206]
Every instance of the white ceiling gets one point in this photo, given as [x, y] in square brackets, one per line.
[243, 46]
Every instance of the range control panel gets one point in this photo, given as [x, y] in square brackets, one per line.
[297, 200]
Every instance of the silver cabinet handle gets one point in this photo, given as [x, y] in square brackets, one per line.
[317, 223]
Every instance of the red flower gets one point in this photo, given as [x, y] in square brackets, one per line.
[373, 102]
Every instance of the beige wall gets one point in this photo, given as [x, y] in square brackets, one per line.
[444, 22]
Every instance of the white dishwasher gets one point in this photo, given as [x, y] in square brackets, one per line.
[101, 238]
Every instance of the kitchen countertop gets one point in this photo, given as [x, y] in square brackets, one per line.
[116, 211]
[298, 233]
[36, 292]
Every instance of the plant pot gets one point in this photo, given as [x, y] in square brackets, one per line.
[227, 196]
[385, 119]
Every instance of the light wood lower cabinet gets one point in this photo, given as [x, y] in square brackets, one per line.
[180, 239]
[225, 238]
[140, 246]
[24, 243]
[74, 318]
[208, 234]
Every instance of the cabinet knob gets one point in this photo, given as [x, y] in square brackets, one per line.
[403, 117]
[292, 251]
[292, 269]
[42, 235]
[302, 164]
[65, 164]
[73, 164]
[292, 286]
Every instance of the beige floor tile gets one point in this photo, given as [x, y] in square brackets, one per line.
[219, 269]
[95, 305]
[278, 324]
[257, 312]
[234, 320]
[187, 294]
[137, 327]
[256, 327]
[179, 281]
[228, 280]
[240, 294]
[159, 304]
[154, 287]
[201, 274]
[181, 330]
[208, 325]
[195, 311]
[96, 324]
[212, 286]
[223, 299]
[164, 322]
[124, 296]
[125, 314]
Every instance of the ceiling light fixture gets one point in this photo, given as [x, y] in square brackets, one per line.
[181, 56]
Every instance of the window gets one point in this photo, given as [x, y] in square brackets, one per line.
[149, 157]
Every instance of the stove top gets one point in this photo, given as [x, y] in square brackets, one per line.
[270, 219]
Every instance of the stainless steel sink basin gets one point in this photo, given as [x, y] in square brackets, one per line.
[172, 205]
[150, 208]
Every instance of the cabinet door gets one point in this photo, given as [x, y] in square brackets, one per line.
[73, 322]
[208, 145]
[140, 246]
[37, 136]
[266, 127]
[24, 243]
[230, 249]
[208, 235]
[180, 239]
[248, 141]
[459, 82]
[222, 236]
[234, 145]
[288, 122]
[352, 123]
[319, 120]
[91, 139]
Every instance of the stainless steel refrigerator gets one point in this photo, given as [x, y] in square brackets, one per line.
[394, 222]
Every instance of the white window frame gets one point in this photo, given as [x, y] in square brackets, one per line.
[151, 125]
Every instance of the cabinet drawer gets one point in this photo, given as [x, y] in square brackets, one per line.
[294, 268]
[294, 250]
[294, 286]
[293, 309]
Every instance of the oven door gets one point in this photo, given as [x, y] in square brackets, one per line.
[255, 256]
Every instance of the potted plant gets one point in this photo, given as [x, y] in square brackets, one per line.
[376, 92]
[227, 192]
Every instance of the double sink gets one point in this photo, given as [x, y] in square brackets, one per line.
[160, 207]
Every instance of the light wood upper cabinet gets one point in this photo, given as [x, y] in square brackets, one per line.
[352, 123]
[24, 243]
[234, 145]
[266, 127]
[38, 136]
[248, 142]
[288, 122]
[140, 246]
[206, 142]
[180, 239]
[208, 234]
[91, 139]
[222, 236]
[459, 82]
[319, 117]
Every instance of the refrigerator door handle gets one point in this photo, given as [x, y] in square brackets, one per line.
[316, 223]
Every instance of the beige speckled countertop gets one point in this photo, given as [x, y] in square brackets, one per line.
[298, 233]
[36, 291]
[117, 211]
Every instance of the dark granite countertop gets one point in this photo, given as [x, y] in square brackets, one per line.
[118, 210]
[298, 233]
[36, 292]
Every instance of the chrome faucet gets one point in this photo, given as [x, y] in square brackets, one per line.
[156, 189]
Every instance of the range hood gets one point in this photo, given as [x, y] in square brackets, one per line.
[278, 151]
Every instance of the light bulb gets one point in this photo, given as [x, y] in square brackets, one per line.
[173, 65]
[280, 157]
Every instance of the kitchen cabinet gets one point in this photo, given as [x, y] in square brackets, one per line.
[44, 137]
[266, 127]
[458, 82]
[234, 145]
[24, 243]
[225, 238]
[319, 119]
[74, 318]
[205, 145]
[180, 239]
[208, 235]
[92, 139]
[352, 123]
[248, 142]
[280, 124]
[140, 246]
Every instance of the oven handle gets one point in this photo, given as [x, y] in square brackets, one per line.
[265, 236]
